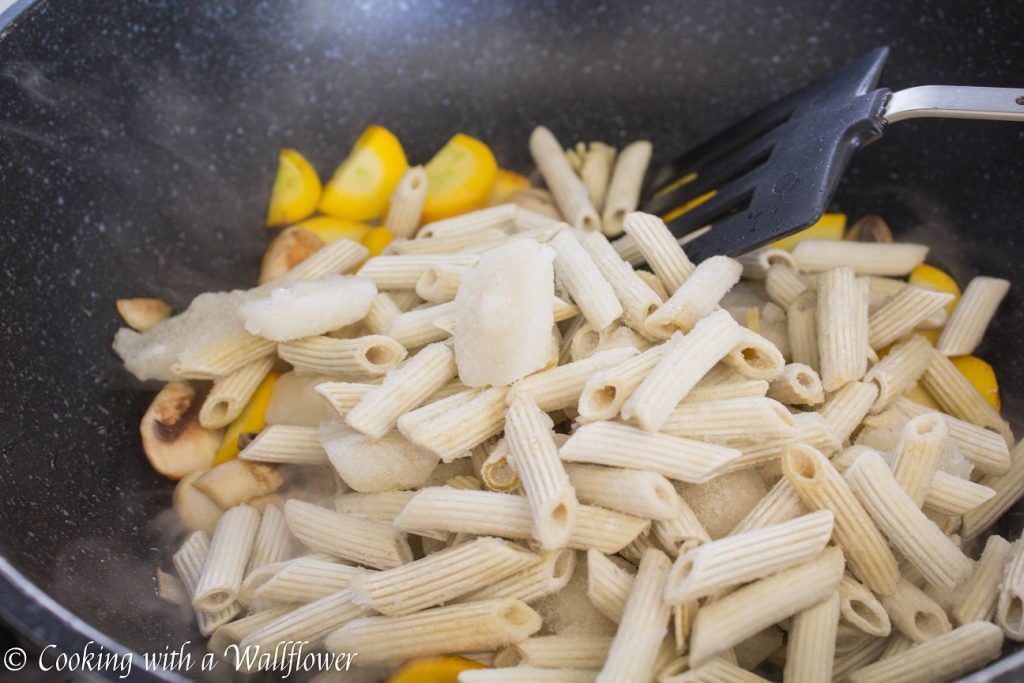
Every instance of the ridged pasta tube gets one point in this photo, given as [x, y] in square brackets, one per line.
[861, 609]
[608, 585]
[287, 445]
[357, 358]
[865, 258]
[224, 569]
[638, 300]
[659, 248]
[463, 422]
[548, 573]
[419, 327]
[916, 615]
[306, 579]
[922, 442]
[783, 284]
[560, 387]
[189, 561]
[606, 390]
[343, 396]
[651, 495]
[696, 298]
[944, 658]
[581, 277]
[802, 326]
[847, 408]
[812, 643]
[976, 599]
[1010, 608]
[958, 396]
[624, 189]
[782, 503]
[584, 652]
[972, 315]
[396, 272]
[406, 206]
[740, 419]
[798, 384]
[899, 371]
[569, 191]
[229, 395]
[910, 307]
[338, 256]
[350, 537]
[310, 622]
[986, 449]
[842, 324]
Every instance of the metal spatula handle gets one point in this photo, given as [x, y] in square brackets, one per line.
[955, 102]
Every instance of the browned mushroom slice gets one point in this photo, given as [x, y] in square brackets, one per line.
[174, 441]
[869, 228]
[142, 314]
[237, 481]
[293, 246]
[195, 509]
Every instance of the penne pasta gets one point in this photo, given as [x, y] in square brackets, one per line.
[223, 357]
[899, 371]
[917, 616]
[497, 470]
[405, 388]
[802, 328]
[581, 277]
[217, 587]
[343, 396]
[308, 623]
[560, 387]
[273, 542]
[1010, 607]
[730, 620]
[842, 324]
[421, 326]
[865, 258]
[619, 445]
[406, 206]
[986, 450]
[716, 671]
[358, 358]
[347, 536]
[608, 585]
[783, 285]
[397, 272]
[569, 191]
[860, 608]
[696, 298]
[798, 384]
[812, 642]
[741, 419]
[624, 188]
[781, 504]
[923, 544]
[972, 315]
[548, 573]
[680, 368]
[286, 445]
[651, 495]
[902, 313]
[502, 216]
[189, 561]
[439, 284]
[976, 599]
[233, 632]
[339, 256]
[821, 487]
[470, 627]
[643, 625]
[847, 408]
[453, 426]
[304, 580]
[754, 357]
[530, 438]
[605, 391]
[638, 300]
[734, 560]
[229, 395]
[958, 397]
[659, 248]
[922, 442]
[584, 652]
[941, 659]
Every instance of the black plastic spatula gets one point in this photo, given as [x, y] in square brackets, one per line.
[775, 173]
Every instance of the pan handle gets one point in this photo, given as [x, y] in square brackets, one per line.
[955, 102]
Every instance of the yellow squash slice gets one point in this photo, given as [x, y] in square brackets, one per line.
[376, 239]
[434, 670]
[251, 419]
[361, 186]
[931, 277]
[830, 226]
[296, 190]
[981, 376]
[506, 184]
[459, 178]
[329, 228]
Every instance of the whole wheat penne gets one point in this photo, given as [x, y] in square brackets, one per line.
[914, 613]
[922, 442]
[860, 608]
[230, 548]
[531, 444]
[310, 622]
[812, 642]
[557, 652]
[397, 272]
[944, 658]
[958, 397]
[734, 560]
[304, 580]
[740, 419]
[899, 371]
[802, 326]
[362, 357]
[976, 599]
[659, 248]
[619, 445]
[972, 315]
[696, 298]
[419, 327]
[606, 390]
[732, 619]
[638, 300]
[230, 394]
[560, 387]
[841, 321]
[222, 357]
[287, 445]
[440, 577]
[846, 409]
[821, 487]
[865, 258]
[350, 537]
[468, 421]
[781, 504]
[608, 585]
[783, 285]
[901, 314]
[487, 513]
[548, 573]
[651, 495]
[643, 625]
[406, 204]
[404, 389]
[924, 545]
[624, 189]
[569, 191]
[343, 396]
[1010, 606]
[798, 384]
[581, 277]
[469, 627]
[189, 561]
[987, 450]
[680, 368]
[233, 632]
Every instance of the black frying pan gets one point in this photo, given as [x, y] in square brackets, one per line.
[138, 143]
